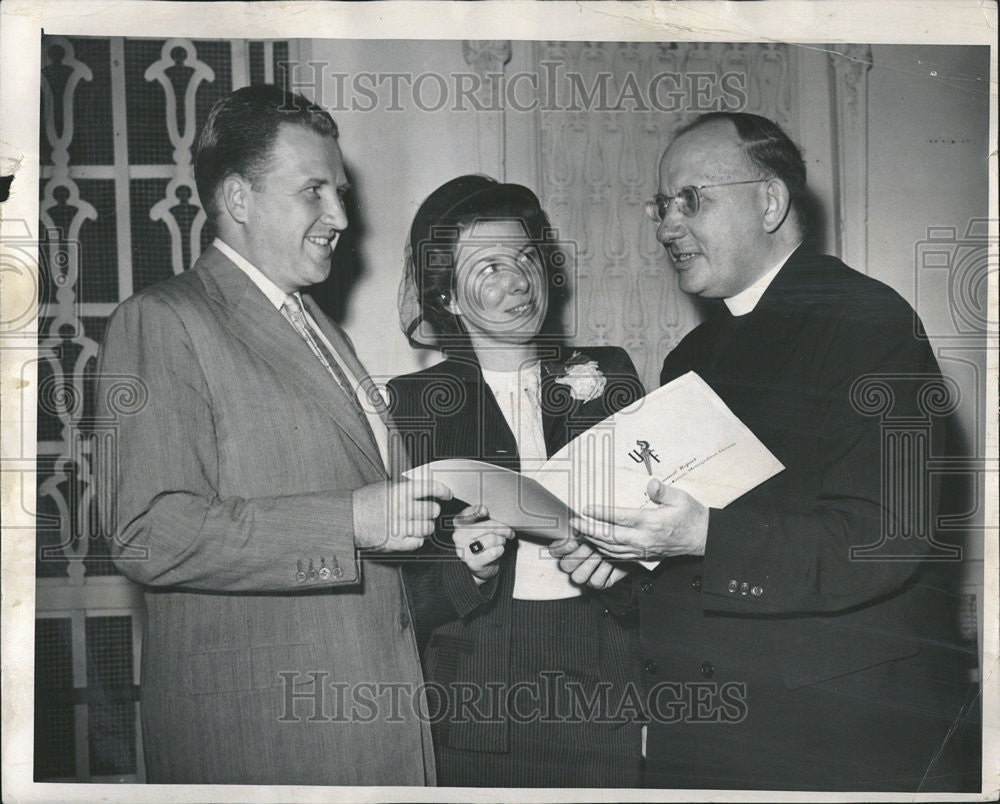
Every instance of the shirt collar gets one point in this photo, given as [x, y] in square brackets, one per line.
[274, 294]
[746, 300]
[512, 374]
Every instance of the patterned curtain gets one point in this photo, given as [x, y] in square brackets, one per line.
[601, 140]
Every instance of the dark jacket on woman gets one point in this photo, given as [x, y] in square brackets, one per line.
[448, 411]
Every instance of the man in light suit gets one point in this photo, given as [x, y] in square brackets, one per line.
[250, 488]
[792, 639]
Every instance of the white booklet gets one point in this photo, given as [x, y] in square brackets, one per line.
[683, 434]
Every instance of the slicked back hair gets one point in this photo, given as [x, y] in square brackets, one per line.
[239, 134]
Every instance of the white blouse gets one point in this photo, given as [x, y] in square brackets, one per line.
[536, 573]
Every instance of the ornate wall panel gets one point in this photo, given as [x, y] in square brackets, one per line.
[118, 211]
[850, 94]
[487, 57]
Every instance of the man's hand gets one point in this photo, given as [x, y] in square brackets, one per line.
[480, 541]
[677, 526]
[586, 566]
[397, 516]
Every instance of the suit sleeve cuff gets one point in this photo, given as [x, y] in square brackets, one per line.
[343, 564]
[462, 590]
[731, 579]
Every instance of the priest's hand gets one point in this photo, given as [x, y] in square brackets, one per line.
[586, 566]
[676, 526]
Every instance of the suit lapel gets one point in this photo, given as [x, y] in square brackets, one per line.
[558, 406]
[496, 442]
[480, 427]
[256, 322]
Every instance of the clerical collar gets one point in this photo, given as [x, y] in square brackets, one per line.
[274, 294]
[746, 300]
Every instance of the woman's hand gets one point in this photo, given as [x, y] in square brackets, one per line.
[480, 541]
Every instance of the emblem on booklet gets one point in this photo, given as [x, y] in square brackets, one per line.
[644, 454]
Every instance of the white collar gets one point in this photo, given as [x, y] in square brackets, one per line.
[746, 300]
[274, 294]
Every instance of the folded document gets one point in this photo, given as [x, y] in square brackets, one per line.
[683, 434]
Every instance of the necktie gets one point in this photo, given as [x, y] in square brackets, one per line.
[294, 312]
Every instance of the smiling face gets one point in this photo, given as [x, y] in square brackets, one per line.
[501, 290]
[295, 212]
[723, 249]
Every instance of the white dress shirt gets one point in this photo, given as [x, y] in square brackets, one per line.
[536, 573]
[276, 296]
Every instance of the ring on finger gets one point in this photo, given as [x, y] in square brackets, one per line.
[476, 547]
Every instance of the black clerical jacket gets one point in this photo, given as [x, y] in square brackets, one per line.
[806, 650]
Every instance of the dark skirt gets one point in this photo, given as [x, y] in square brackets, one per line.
[574, 720]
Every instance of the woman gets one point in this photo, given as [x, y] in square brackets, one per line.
[540, 677]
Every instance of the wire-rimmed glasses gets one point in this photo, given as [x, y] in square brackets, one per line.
[688, 200]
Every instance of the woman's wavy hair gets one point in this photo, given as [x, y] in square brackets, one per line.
[443, 216]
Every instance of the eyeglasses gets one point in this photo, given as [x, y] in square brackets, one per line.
[688, 200]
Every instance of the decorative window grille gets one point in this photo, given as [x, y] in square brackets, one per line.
[118, 211]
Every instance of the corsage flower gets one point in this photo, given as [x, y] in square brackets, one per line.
[584, 379]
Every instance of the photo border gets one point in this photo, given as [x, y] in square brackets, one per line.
[21, 25]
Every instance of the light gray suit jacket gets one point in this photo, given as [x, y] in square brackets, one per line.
[270, 650]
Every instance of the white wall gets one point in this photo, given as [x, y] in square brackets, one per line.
[395, 158]
[928, 167]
